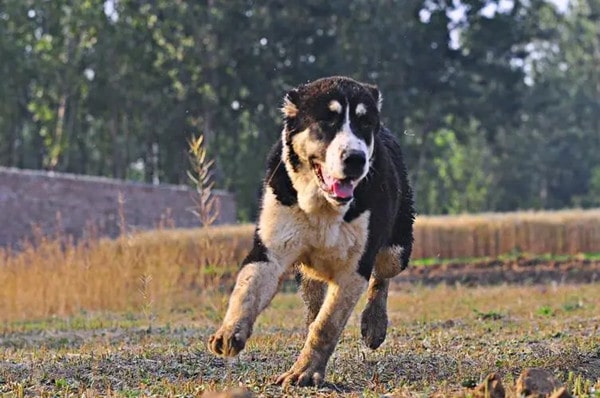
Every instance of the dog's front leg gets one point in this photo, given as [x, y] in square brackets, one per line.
[324, 332]
[256, 285]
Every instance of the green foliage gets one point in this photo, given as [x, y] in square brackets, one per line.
[462, 181]
[592, 197]
[496, 110]
[545, 310]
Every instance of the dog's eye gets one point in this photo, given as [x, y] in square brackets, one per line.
[365, 122]
[330, 119]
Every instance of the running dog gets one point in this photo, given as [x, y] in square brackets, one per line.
[337, 206]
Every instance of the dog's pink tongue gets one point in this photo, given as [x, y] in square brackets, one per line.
[342, 189]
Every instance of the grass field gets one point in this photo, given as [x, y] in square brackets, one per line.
[129, 317]
[441, 340]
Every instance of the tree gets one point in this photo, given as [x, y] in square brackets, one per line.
[496, 104]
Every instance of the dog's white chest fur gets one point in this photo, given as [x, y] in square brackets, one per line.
[322, 242]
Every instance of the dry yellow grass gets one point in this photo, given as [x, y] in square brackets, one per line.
[493, 234]
[165, 269]
[56, 277]
[466, 236]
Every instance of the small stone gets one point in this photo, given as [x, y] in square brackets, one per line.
[536, 382]
[491, 387]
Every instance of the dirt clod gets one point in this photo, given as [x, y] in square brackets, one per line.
[491, 387]
[536, 383]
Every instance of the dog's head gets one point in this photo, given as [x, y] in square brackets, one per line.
[330, 127]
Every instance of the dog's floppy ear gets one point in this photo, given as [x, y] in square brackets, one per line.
[376, 94]
[290, 104]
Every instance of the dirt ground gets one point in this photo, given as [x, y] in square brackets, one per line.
[449, 326]
[521, 271]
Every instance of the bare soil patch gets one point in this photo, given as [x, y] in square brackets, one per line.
[522, 271]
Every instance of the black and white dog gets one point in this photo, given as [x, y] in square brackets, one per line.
[338, 206]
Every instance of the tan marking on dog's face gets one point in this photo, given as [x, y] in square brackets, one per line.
[335, 106]
[305, 148]
[388, 262]
[310, 197]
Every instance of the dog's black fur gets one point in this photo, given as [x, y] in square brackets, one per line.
[340, 228]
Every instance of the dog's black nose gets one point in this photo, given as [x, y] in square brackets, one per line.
[354, 163]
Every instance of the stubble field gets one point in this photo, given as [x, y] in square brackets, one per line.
[130, 318]
[441, 341]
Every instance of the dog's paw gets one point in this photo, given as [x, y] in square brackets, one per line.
[228, 341]
[302, 376]
[373, 325]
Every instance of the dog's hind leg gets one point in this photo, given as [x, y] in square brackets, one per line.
[374, 320]
[313, 294]
[390, 261]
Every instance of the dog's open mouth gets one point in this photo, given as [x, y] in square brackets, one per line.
[341, 190]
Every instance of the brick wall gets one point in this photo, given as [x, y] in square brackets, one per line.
[30, 198]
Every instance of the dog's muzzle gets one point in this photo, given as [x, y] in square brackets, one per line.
[341, 190]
